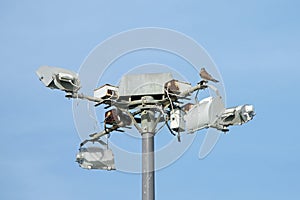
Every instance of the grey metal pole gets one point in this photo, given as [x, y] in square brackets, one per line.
[148, 175]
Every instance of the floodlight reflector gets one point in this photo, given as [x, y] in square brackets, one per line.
[237, 115]
[58, 78]
[96, 158]
[204, 114]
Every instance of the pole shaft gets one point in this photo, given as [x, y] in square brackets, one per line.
[148, 171]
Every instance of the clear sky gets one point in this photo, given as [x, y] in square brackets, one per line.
[255, 45]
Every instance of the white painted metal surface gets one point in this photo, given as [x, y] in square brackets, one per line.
[177, 122]
[96, 158]
[106, 91]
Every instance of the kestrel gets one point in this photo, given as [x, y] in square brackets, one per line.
[206, 76]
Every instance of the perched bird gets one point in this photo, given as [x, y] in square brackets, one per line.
[206, 76]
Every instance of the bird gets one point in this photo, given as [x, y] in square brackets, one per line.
[206, 76]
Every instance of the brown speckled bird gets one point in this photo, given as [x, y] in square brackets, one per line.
[206, 76]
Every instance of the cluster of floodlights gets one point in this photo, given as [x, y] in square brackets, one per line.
[135, 94]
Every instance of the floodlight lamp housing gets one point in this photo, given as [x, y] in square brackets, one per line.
[204, 114]
[237, 115]
[58, 78]
[96, 158]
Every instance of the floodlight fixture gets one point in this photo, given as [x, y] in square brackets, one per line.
[59, 78]
[96, 158]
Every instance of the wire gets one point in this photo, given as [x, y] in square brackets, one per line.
[91, 116]
[196, 96]
[167, 92]
[171, 131]
[107, 142]
[96, 125]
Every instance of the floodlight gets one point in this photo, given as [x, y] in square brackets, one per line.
[96, 158]
[117, 117]
[106, 91]
[58, 78]
[237, 115]
[176, 86]
[204, 114]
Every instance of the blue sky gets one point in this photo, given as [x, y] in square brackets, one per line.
[255, 45]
